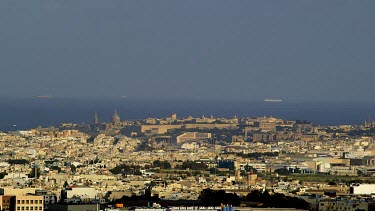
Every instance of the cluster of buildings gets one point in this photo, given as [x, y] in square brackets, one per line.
[74, 164]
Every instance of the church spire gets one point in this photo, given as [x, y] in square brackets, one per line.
[115, 117]
[96, 120]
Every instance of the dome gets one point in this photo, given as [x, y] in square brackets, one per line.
[115, 118]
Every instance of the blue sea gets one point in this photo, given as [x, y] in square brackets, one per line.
[26, 113]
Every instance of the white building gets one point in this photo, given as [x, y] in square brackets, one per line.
[362, 189]
[82, 193]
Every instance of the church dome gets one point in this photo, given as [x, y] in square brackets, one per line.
[115, 118]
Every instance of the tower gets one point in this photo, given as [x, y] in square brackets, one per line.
[174, 116]
[115, 118]
[96, 120]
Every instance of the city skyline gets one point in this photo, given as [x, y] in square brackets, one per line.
[187, 105]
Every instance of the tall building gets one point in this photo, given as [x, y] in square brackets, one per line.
[96, 120]
[115, 118]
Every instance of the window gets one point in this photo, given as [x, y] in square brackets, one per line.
[27, 201]
[18, 208]
[40, 201]
[27, 208]
[22, 208]
[18, 201]
[31, 201]
[40, 208]
[23, 201]
[35, 208]
[31, 208]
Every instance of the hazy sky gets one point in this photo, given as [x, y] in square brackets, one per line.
[304, 50]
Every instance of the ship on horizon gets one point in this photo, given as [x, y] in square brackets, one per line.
[43, 96]
[269, 100]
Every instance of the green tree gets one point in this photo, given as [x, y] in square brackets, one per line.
[254, 196]
[2, 175]
[32, 173]
[66, 185]
[73, 168]
[194, 166]
[251, 169]
[282, 171]
[18, 161]
[161, 164]
[210, 197]
[56, 168]
[90, 139]
[96, 160]
[297, 170]
[137, 172]
[123, 168]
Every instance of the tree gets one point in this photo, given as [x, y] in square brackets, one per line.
[194, 166]
[161, 164]
[2, 175]
[196, 173]
[137, 172]
[56, 168]
[148, 190]
[66, 185]
[32, 173]
[297, 170]
[282, 201]
[282, 171]
[265, 195]
[332, 183]
[90, 139]
[210, 197]
[251, 169]
[276, 200]
[18, 161]
[96, 160]
[73, 168]
[254, 196]
[123, 168]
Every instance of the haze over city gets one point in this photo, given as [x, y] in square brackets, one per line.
[295, 50]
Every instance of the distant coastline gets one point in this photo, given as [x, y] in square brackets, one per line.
[32, 112]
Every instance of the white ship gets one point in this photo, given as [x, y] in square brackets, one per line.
[268, 100]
